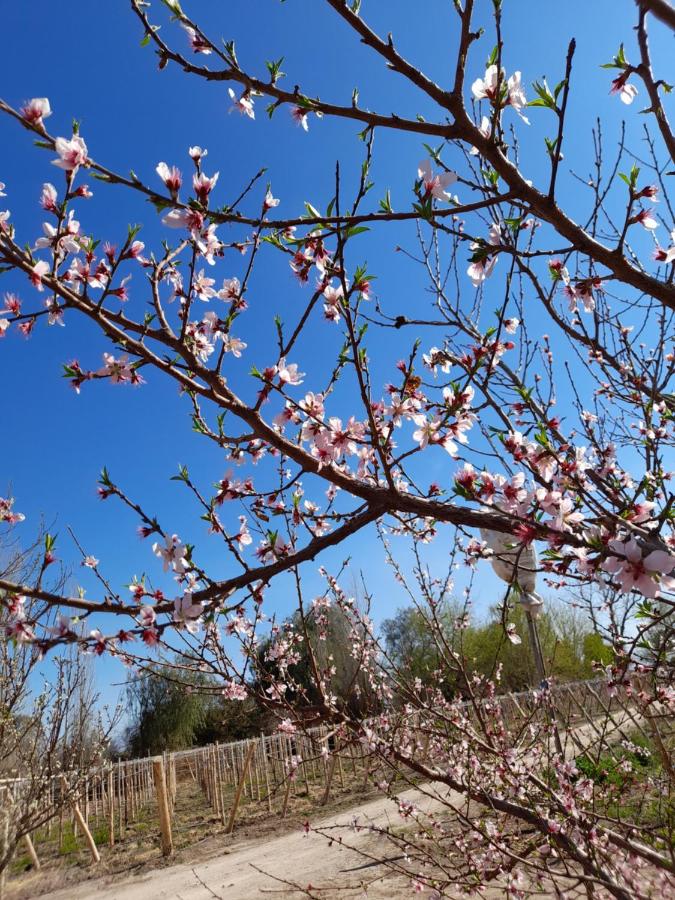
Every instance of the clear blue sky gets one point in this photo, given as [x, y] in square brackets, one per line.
[87, 59]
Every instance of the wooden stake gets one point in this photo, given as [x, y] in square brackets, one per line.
[266, 771]
[289, 782]
[35, 862]
[111, 807]
[79, 818]
[162, 806]
[331, 770]
[240, 786]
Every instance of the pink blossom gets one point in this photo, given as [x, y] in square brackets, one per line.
[40, 269]
[72, 153]
[197, 42]
[197, 153]
[173, 554]
[666, 256]
[118, 370]
[233, 345]
[234, 691]
[121, 292]
[270, 201]
[147, 616]
[286, 727]
[230, 290]
[202, 286]
[35, 110]
[49, 197]
[6, 512]
[243, 104]
[171, 176]
[150, 636]
[299, 116]
[288, 373]
[483, 261]
[647, 575]
[480, 269]
[512, 634]
[191, 219]
[434, 183]
[55, 315]
[516, 95]
[244, 537]
[627, 92]
[209, 245]
[486, 87]
[485, 129]
[185, 610]
[203, 185]
[646, 219]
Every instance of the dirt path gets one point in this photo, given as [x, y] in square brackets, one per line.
[295, 857]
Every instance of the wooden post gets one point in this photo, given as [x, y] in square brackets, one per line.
[240, 786]
[340, 771]
[120, 810]
[220, 769]
[79, 818]
[172, 780]
[162, 806]
[265, 770]
[287, 794]
[35, 862]
[111, 807]
[329, 780]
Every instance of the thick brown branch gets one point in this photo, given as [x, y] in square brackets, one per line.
[661, 9]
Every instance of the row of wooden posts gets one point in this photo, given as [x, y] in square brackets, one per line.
[259, 770]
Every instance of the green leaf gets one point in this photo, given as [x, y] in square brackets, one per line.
[385, 205]
[174, 6]
[544, 96]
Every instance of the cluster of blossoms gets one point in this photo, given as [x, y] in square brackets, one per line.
[501, 91]
[649, 572]
[558, 507]
[313, 253]
[329, 440]
[7, 513]
[18, 627]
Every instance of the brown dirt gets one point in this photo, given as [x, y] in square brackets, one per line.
[242, 866]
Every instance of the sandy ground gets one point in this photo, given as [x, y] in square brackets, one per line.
[250, 869]
[269, 866]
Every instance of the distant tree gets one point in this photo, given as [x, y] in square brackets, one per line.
[322, 655]
[171, 709]
[569, 644]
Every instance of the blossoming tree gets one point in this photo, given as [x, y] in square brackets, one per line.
[578, 500]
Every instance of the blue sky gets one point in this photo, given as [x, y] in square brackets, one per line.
[89, 62]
